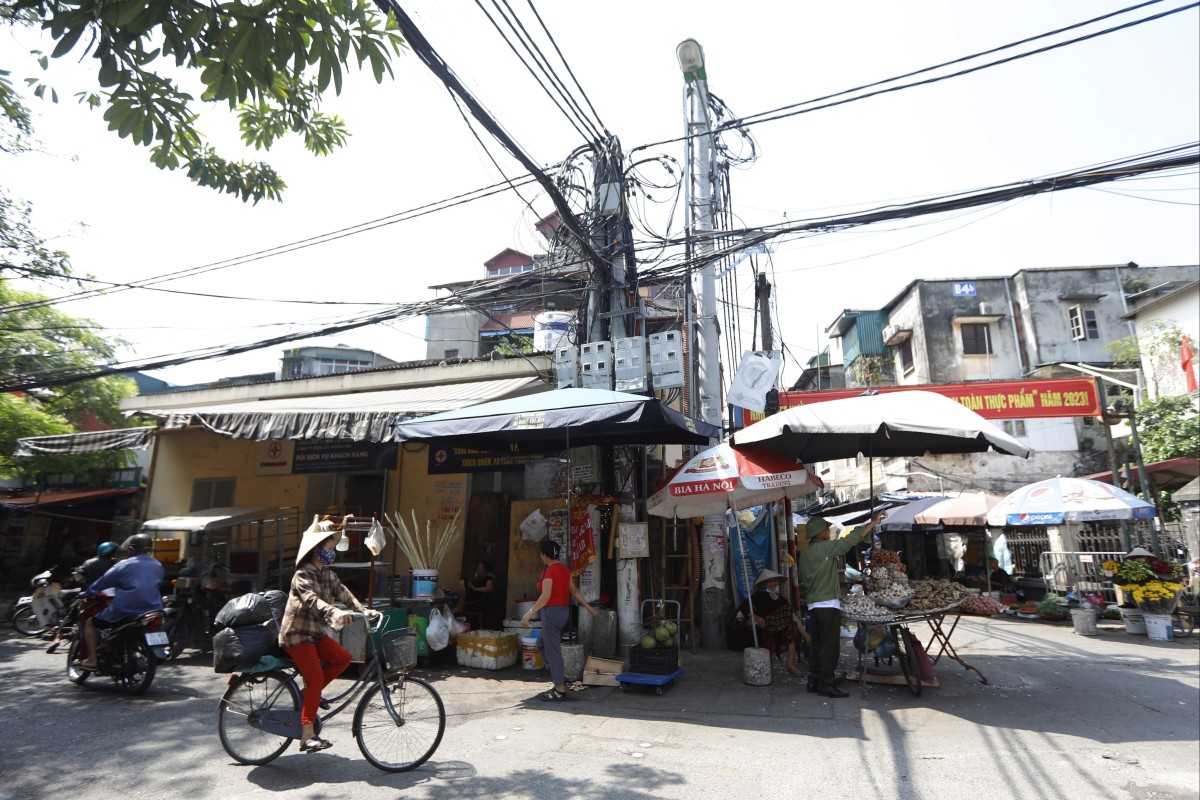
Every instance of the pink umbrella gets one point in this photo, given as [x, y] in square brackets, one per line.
[965, 509]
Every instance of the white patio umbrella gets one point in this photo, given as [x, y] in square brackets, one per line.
[1058, 500]
[725, 477]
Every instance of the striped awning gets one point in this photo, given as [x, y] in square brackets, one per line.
[360, 417]
[91, 442]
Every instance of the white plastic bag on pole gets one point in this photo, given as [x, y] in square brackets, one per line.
[375, 540]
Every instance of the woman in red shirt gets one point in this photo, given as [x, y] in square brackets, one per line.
[557, 589]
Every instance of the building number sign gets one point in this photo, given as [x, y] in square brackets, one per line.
[963, 288]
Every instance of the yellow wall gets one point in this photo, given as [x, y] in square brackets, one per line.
[184, 456]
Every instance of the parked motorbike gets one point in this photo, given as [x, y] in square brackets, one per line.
[128, 653]
[189, 611]
[46, 608]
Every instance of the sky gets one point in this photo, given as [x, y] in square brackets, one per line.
[1127, 93]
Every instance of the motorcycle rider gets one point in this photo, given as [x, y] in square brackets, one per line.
[99, 564]
[136, 581]
[88, 573]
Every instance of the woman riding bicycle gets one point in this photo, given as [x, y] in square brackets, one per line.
[307, 620]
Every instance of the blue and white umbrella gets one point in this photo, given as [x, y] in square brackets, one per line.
[1059, 500]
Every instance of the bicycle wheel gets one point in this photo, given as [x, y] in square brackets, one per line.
[1182, 623]
[909, 666]
[26, 621]
[404, 736]
[247, 696]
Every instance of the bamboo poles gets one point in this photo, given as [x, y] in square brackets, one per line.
[423, 552]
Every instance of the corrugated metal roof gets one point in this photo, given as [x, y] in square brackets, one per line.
[362, 417]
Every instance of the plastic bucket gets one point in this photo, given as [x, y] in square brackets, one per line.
[1084, 621]
[1158, 627]
[425, 582]
[1135, 621]
[531, 656]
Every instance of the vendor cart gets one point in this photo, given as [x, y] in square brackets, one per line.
[660, 666]
[900, 646]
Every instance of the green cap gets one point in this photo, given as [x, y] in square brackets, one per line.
[816, 526]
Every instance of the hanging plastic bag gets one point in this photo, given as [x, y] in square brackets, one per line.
[375, 540]
[535, 527]
[457, 626]
[437, 633]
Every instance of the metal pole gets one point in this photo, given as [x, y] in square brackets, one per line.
[1151, 495]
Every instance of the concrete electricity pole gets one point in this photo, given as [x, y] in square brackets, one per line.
[700, 152]
[701, 180]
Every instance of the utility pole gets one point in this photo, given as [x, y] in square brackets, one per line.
[699, 155]
[762, 297]
[700, 225]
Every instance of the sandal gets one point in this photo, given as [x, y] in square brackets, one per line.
[315, 744]
[552, 694]
[792, 668]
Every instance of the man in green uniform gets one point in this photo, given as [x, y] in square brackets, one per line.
[818, 569]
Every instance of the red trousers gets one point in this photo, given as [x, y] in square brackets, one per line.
[308, 658]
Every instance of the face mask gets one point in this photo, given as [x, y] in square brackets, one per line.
[773, 590]
[326, 557]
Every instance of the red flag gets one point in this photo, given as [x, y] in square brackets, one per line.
[1187, 360]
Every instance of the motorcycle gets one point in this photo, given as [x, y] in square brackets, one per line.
[189, 616]
[46, 608]
[128, 652]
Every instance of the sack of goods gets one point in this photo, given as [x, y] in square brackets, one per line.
[248, 629]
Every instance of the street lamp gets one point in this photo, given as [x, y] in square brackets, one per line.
[690, 55]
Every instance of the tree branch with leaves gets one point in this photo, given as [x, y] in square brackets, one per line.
[269, 62]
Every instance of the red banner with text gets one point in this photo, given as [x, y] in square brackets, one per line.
[1051, 397]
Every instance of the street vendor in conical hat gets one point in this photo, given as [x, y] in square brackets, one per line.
[774, 614]
[308, 619]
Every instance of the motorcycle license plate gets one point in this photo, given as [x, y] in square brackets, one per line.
[156, 638]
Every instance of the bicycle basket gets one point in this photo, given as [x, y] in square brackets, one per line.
[400, 648]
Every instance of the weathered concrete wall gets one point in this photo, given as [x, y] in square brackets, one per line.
[991, 472]
[453, 330]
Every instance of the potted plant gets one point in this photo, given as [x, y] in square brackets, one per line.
[1153, 585]
[1052, 608]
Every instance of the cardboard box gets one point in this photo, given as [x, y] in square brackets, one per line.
[486, 649]
[602, 671]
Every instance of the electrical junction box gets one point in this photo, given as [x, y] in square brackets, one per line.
[666, 359]
[629, 364]
[566, 367]
[608, 199]
[595, 365]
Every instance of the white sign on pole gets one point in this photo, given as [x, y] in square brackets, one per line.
[755, 376]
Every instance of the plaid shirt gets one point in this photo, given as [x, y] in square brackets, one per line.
[310, 612]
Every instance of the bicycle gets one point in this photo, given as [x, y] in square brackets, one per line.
[398, 722]
[1183, 618]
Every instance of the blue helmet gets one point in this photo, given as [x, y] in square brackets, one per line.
[106, 549]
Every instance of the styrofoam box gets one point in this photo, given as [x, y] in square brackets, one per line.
[487, 649]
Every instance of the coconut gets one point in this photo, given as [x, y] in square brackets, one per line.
[661, 633]
[649, 642]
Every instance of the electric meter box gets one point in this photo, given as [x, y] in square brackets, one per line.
[595, 365]
[566, 367]
[629, 364]
[666, 359]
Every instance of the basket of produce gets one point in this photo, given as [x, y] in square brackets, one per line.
[935, 595]
[863, 609]
[1027, 612]
[984, 606]
[659, 650]
[888, 585]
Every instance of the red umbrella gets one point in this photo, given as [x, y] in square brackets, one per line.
[724, 476]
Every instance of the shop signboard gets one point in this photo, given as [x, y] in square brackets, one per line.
[1051, 397]
[452, 460]
[333, 455]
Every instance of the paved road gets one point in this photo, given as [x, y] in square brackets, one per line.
[1063, 716]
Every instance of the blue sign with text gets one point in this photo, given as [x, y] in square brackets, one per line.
[963, 288]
